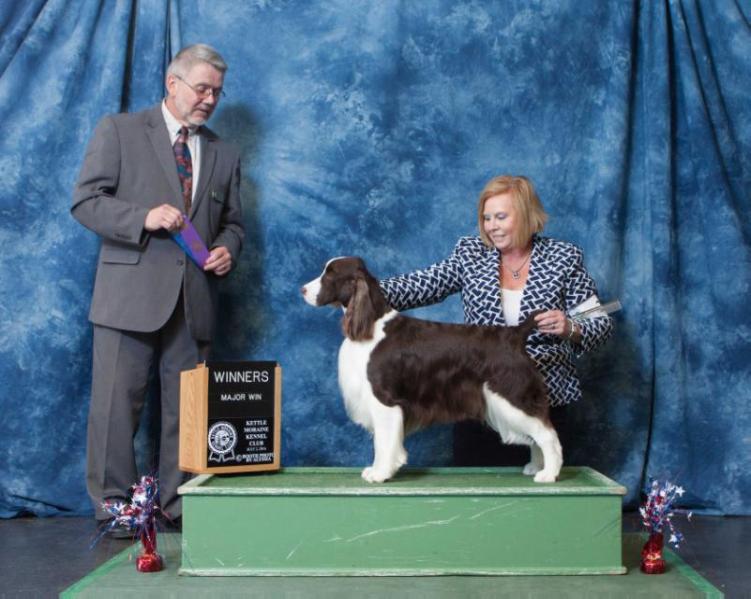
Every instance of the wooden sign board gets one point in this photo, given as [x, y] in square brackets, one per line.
[230, 417]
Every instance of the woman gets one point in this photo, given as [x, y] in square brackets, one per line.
[506, 273]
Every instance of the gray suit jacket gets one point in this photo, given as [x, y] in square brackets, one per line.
[128, 169]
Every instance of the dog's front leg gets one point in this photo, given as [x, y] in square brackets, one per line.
[388, 438]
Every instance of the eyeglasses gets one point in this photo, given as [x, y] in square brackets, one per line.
[204, 91]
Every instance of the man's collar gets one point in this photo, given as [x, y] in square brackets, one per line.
[173, 125]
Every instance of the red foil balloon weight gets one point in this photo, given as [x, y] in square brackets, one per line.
[652, 561]
[149, 560]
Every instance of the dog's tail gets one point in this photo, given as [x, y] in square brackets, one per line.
[525, 328]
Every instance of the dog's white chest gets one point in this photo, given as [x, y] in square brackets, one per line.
[353, 375]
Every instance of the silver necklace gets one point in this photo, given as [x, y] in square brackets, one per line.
[516, 274]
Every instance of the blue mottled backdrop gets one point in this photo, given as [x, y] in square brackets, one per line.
[369, 128]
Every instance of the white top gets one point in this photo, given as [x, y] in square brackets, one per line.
[194, 143]
[512, 301]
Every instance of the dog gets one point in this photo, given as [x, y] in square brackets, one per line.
[399, 374]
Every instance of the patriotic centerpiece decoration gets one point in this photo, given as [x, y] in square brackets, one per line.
[139, 515]
[657, 513]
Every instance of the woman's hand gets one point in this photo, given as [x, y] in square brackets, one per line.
[555, 322]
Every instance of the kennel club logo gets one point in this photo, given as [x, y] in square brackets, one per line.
[222, 441]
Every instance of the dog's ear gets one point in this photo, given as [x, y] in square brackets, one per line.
[360, 315]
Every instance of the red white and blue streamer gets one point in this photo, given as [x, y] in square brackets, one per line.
[658, 510]
[138, 513]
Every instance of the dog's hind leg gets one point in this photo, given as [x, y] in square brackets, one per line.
[547, 439]
[515, 426]
[536, 461]
[388, 441]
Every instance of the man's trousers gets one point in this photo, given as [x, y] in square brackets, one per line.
[122, 366]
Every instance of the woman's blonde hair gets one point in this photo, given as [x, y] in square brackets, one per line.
[530, 214]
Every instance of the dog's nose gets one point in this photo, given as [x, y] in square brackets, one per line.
[303, 290]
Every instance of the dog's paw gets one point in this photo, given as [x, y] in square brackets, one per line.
[401, 459]
[544, 477]
[531, 468]
[372, 475]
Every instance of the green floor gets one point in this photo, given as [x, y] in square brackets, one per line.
[119, 578]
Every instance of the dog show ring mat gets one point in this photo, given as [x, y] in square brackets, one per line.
[119, 578]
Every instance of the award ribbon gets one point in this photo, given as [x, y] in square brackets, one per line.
[190, 241]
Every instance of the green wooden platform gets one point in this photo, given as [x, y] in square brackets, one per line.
[444, 521]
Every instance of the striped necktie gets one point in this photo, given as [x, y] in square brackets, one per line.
[184, 167]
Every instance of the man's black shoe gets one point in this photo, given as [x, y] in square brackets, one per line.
[118, 531]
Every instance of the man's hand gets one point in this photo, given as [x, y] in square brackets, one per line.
[219, 261]
[163, 217]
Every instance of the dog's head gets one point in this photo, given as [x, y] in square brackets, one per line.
[346, 282]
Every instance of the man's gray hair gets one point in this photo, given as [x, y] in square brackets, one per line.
[189, 56]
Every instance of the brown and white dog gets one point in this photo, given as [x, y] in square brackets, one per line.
[399, 374]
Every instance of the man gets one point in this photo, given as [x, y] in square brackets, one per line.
[152, 306]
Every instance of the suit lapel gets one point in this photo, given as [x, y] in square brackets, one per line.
[208, 161]
[159, 137]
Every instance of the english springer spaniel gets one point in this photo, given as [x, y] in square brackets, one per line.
[399, 374]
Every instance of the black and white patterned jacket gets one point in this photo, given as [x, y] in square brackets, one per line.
[557, 280]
